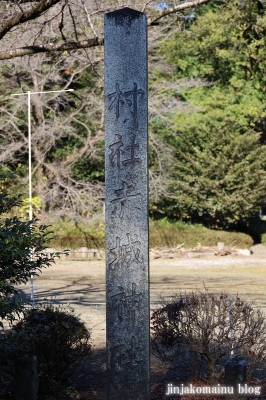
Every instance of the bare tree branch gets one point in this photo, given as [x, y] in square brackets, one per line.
[48, 48]
[20, 17]
[24, 16]
[172, 10]
[211, 325]
[89, 18]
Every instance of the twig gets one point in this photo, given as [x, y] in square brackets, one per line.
[89, 18]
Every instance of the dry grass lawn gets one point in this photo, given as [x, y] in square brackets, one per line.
[82, 283]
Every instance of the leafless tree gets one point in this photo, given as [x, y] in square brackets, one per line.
[60, 41]
[29, 27]
[56, 118]
[214, 326]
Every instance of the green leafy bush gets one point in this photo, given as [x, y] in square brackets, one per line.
[22, 247]
[58, 338]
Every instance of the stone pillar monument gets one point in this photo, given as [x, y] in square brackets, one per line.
[126, 180]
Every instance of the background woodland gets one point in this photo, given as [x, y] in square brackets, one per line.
[207, 86]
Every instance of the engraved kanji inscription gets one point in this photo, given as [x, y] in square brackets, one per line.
[132, 100]
[122, 205]
[117, 98]
[131, 176]
[132, 160]
[133, 302]
[123, 254]
[128, 98]
[126, 304]
[118, 302]
[118, 151]
[121, 354]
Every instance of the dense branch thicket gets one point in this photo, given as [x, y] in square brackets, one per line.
[215, 326]
[39, 25]
[64, 136]
[67, 128]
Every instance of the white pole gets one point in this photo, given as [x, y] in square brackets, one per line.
[30, 193]
[231, 334]
[30, 168]
[29, 144]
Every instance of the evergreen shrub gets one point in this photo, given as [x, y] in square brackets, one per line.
[59, 340]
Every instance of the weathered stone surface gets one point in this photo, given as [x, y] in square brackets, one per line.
[26, 379]
[126, 177]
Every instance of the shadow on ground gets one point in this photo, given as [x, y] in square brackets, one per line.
[91, 382]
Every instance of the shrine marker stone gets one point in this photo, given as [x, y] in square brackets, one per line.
[126, 199]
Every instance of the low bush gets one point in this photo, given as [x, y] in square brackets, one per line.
[74, 234]
[164, 233]
[212, 326]
[57, 337]
[22, 246]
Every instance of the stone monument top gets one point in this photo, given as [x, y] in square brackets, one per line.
[125, 12]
